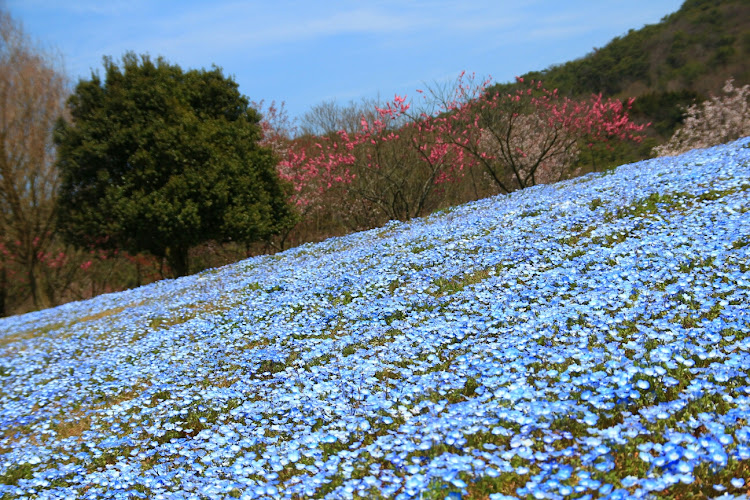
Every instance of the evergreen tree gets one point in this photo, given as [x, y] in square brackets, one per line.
[159, 159]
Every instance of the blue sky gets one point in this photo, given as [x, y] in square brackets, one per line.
[305, 52]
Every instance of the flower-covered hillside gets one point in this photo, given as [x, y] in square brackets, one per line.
[588, 338]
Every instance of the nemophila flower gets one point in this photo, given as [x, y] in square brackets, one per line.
[354, 364]
[737, 482]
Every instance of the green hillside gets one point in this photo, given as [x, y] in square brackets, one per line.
[695, 49]
[683, 58]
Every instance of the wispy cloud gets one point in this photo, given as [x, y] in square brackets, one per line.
[337, 48]
[245, 29]
[83, 7]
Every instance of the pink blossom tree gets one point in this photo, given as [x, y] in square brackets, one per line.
[533, 135]
[405, 162]
[401, 163]
[315, 168]
[393, 167]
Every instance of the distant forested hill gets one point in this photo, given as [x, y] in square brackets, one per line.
[680, 60]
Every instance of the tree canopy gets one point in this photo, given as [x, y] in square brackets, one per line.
[159, 159]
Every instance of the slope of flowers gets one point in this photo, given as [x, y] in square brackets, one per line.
[588, 338]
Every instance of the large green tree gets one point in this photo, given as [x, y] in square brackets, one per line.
[159, 159]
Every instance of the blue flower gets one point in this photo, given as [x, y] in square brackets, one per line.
[420, 351]
[458, 483]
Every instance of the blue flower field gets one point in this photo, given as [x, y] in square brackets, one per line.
[587, 339]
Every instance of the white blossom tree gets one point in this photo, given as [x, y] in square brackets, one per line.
[718, 120]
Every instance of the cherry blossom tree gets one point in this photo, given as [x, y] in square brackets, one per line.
[395, 166]
[314, 166]
[533, 135]
[404, 161]
[718, 120]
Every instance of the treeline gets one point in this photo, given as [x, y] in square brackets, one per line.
[150, 171]
[450, 145]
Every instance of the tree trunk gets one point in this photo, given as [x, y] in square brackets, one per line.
[33, 285]
[179, 261]
[3, 291]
